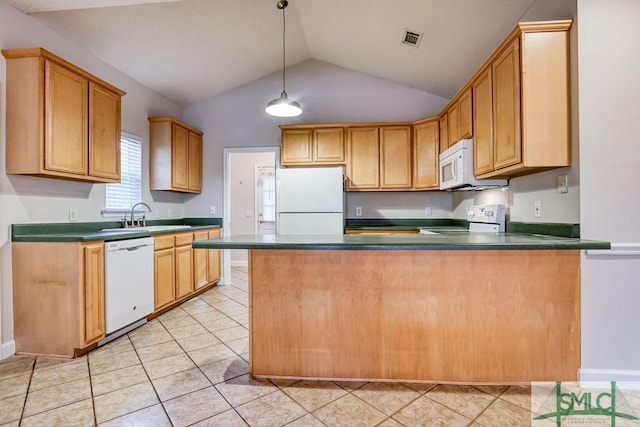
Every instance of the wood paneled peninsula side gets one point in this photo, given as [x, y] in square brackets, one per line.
[452, 307]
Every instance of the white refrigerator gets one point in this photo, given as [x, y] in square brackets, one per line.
[310, 200]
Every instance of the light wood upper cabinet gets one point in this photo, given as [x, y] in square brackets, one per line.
[452, 122]
[395, 157]
[483, 123]
[426, 155]
[507, 149]
[444, 132]
[465, 115]
[529, 84]
[456, 121]
[310, 145]
[328, 146]
[58, 296]
[363, 167]
[176, 156]
[62, 121]
[104, 128]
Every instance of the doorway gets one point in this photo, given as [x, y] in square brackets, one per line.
[246, 178]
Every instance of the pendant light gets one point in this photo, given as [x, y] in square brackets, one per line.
[283, 106]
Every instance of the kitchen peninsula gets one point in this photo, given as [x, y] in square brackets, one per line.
[451, 306]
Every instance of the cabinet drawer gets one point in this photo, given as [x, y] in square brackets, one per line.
[184, 239]
[163, 242]
[200, 235]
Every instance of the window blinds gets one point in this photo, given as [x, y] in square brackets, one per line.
[129, 191]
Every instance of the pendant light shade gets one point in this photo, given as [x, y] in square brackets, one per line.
[283, 106]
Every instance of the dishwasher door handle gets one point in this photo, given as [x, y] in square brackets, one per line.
[135, 248]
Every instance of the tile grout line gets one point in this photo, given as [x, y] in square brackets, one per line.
[93, 401]
[26, 395]
[152, 386]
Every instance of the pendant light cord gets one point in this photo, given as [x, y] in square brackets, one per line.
[284, 48]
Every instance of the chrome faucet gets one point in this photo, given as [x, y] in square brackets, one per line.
[133, 221]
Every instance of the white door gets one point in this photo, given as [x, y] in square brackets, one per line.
[265, 202]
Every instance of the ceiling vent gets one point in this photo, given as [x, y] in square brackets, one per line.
[412, 38]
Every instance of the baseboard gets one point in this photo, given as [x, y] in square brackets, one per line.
[7, 349]
[607, 375]
[239, 263]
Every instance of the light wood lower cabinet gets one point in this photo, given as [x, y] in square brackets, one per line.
[58, 295]
[213, 259]
[184, 265]
[181, 270]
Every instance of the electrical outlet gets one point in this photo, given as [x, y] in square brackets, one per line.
[169, 213]
[358, 210]
[537, 209]
[427, 211]
[563, 184]
[72, 215]
[212, 210]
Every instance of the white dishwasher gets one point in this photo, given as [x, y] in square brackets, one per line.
[128, 281]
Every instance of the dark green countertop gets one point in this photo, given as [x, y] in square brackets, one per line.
[90, 231]
[445, 240]
[554, 229]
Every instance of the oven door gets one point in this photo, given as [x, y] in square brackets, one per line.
[450, 171]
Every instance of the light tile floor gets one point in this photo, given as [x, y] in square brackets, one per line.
[189, 367]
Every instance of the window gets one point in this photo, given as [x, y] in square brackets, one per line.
[124, 195]
[267, 196]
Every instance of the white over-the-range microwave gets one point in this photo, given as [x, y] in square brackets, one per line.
[456, 169]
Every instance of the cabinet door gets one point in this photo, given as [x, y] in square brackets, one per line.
[297, 146]
[506, 107]
[180, 159]
[426, 157]
[329, 146]
[184, 270]
[66, 120]
[444, 133]
[93, 310]
[195, 162]
[363, 165]
[483, 124]
[213, 264]
[465, 114]
[104, 133]
[200, 258]
[395, 157]
[453, 119]
[164, 273]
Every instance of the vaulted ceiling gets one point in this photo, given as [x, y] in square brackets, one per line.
[191, 50]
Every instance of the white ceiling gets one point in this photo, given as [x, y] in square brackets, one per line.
[190, 50]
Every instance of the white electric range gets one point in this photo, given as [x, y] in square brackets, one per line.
[481, 218]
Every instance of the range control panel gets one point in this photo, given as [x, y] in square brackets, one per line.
[487, 217]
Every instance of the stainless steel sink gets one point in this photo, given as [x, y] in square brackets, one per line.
[147, 228]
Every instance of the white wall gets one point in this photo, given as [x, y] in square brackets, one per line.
[327, 94]
[26, 199]
[609, 59]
